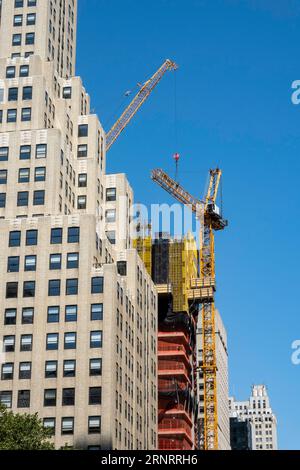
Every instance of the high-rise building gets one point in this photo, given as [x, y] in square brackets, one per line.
[222, 381]
[258, 413]
[78, 308]
[240, 434]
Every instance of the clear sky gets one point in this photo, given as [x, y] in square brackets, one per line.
[237, 61]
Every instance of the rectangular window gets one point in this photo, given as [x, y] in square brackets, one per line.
[25, 371]
[72, 260]
[10, 316]
[54, 288]
[6, 398]
[11, 115]
[25, 152]
[82, 180]
[29, 39]
[95, 367]
[31, 3]
[71, 313]
[11, 290]
[49, 424]
[52, 342]
[13, 264]
[24, 70]
[96, 339]
[10, 72]
[83, 130]
[30, 19]
[53, 314]
[29, 289]
[26, 343]
[69, 368]
[56, 236]
[3, 176]
[16, 39]
[111, 194]
[110, 215]
[40, 174]
[2, 200]
[27, 93]
[97, 285]
[26, 114]
[81, 202]
[55, 262]
[23, 399]
[94, 426]
[97, 312]
[95, 396]
[38, 198]
[7, 371]
[27, 316]
[13, 94]
[82, 151]
[19, 3]
[51, 369]
[71, 286]
[41, 151]
[9, 343]
[18, 20]
[67, 92]
[3, 154]
[67, 426]
[70, 341]
[31, 237]
[50, 397]
[68, 397]
[24, 175]
[73, 234]
[111, 236]
[22, 199]
[30, 263]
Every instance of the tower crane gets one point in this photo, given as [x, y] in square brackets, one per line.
[210, 220]
[142, 95]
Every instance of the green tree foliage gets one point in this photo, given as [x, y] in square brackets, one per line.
[23, 432]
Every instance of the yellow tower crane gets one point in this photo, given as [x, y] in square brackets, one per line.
[142, 95]
[210, 220]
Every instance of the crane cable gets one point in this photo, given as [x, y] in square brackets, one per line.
[176, 155]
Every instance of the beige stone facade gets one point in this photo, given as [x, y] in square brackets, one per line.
[78, 309]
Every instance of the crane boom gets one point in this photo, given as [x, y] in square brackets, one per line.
[144, 92]
[210, 220]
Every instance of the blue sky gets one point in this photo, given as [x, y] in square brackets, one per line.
[237, 61]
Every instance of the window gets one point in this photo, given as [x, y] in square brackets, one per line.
[31, 237]
[24, 175]
[29, 38]
[111, 194]
[54, 288]
[67, 426]
[25, 370]
[10, 72]
[71, 313]
[50, 397]
[22, 199]
[11, 115]
[3, 176]
[25, 152]
[41, 151]
[95, 367]
[7, 371]
[82, 180]
[3, 154]
[95, 396]
[67, 92]
[14, 239]
[24, 70]
[94, 426]
[27, 316]
[96, 312]
[23, 399]
[83, 130]
[97, 285]
[69, 368]
[70, 341]
[82, 151]
[73, 234]
[26, 343]
[72, 260]
[38, 198]
[29, 289]
[56, 236]
[110, 215]
[53, 315]
[30, 263]
[11, 290]
[30, 20]
[13, 264]
[49, 424]
[12, 94]
[111, 236]
[18, 20]
[16, 39]
[9, 343]
[52, 342]
[96, 339]
[72, 287]
[55, 262]
[1, 110]
[10, 316]
[2, 200]
[31, 3]
[26, 114]
[40, 174]
[6, 398]
[68, 397]
[27, 93]
[51, 369]
[19, 3]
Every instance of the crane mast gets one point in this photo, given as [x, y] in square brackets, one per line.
[142, 95]
[210, 220]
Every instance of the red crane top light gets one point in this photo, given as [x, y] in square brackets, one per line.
[176, 157]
